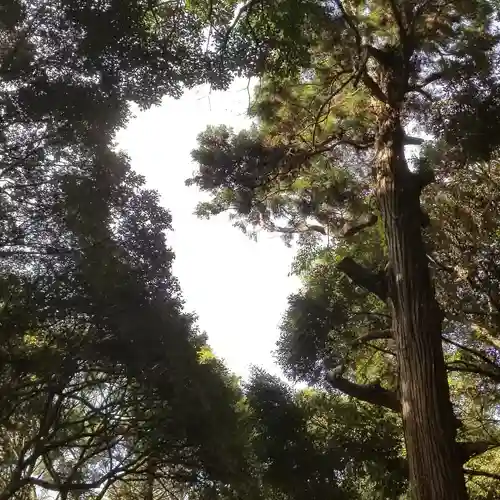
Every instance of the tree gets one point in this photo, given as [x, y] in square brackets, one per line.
[103, 376]
[102, 371]
[327, 155]
[310, 444]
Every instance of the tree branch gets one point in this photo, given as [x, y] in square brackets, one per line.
[433, 77]
[377, 395]
[244, 9]
[373, 394]
[398, 17]
[350, 23]
[383, 57]
[328, 146]
[423, 178]
[352, 228]
[413, 141]
[373, 335]
[327, 101]
[374, 283]
[472, 449]
[374, 88]
[423, 93]
[472, 351]
[467, 368]
[299, 228]
[483, 473]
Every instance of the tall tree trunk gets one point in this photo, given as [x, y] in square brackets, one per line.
[150, 481]
[435, 469]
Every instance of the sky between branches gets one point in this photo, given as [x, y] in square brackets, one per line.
[237, 287]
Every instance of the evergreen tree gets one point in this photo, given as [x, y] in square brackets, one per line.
[344, 86]
[102, 372]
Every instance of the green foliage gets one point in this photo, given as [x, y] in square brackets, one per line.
[305, 171]
[107, 387]
[315, 445]
[324, 322]
[101, 371]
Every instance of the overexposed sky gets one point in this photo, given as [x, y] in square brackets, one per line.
[237, 287]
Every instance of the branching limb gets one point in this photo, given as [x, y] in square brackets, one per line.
[482, 473]
[472, 449]
[429, 97]
[420, 87]
[374, 88]
[374, 283]
[373, 394]
[413, 141]
[350, 23]
[329, 145]
[383, 57]
[373, 335]
[327, 101]
[377, 395]
[467, 368]
[354, 227]
[473, 351]
[441, 266]
[297, 229]
[433, 77]
[398, 17]
[244, 10]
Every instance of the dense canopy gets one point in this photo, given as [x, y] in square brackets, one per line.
[374, 150]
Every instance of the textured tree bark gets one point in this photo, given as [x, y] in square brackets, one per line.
[434, 465]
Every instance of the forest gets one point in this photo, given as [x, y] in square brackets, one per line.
[374, 150]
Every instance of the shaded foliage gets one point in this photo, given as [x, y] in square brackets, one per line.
[315, 445]
[103, 374]
[312, 168]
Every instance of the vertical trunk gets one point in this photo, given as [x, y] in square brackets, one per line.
[435, 469]
[150, 481]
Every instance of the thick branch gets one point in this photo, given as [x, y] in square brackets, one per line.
[377, 395]
[472, 449]
[423, 178]
[345, 141]
[336, 91]
[373, 394]
[66, 486]
[419, 87]
[374, 283]
[244, 10]
[467, 368]
[482, 473]
[374, 88]
[373, 335]
[413, 141]
[475, 352]
[433, 77]
[481, 328]
[398, 17]
[384, 57]
[299, 228]
[423, 93]
[488, 336]
[354, 227]
[350, 23]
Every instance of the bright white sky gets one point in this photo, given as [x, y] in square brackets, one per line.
[237, 287]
